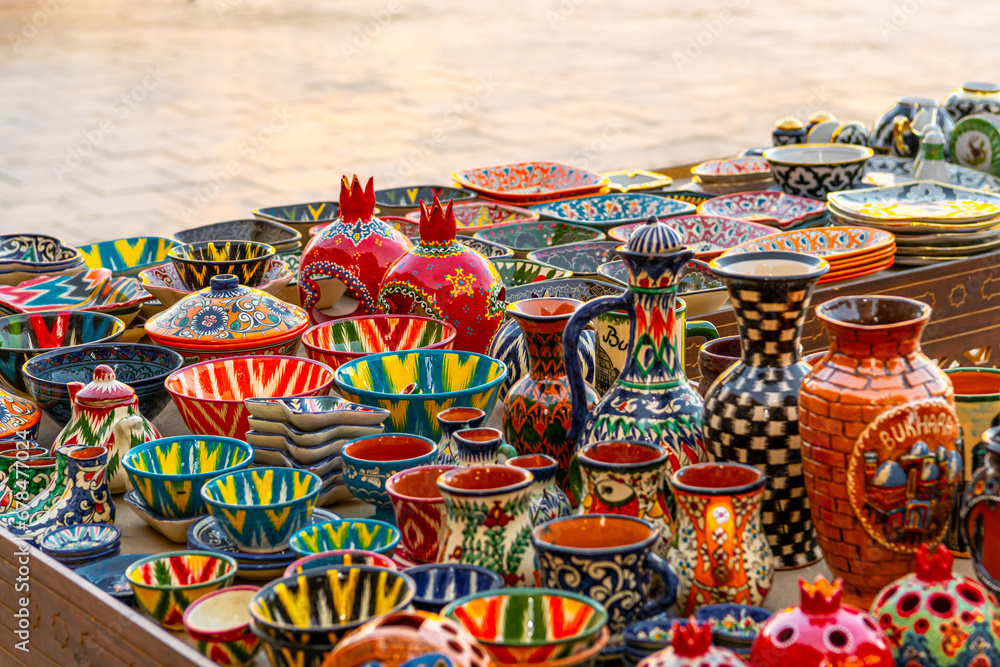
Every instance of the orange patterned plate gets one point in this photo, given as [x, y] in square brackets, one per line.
[832, 243]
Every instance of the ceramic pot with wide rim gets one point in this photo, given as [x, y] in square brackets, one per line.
[720, 550]
[548, 501]
[452, 420]
[489, 520]
[972, 97]
[751, 410]
[539, 408]
[979, 518]
[880, 445]
[419, 510]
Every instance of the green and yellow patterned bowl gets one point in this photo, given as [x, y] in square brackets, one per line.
[367, 534]
[127, 257]
[166, 584]
[415, 386]
[168, 473]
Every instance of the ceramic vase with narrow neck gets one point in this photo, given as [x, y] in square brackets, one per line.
[547, 498]
[539, 408]
[481, 446]
[720, 553]
[489, 520]
[880, 442]
[452, 420]
[751, 410]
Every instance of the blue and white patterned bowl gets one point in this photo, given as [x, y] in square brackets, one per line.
[606, 211]
[366, 534]
[80, 540]
[261, 508]
[371, 460]
[440, 584]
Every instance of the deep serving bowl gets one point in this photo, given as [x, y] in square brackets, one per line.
[337, 342]
[462, 379]
[28, 335]
[261, 508]
[816, 170]
[196, 263]
[397, 201]
[440, 584]
[142, 367]
[127, 257]
[169, 473]
[209, 395]
[366, 534]
[280, 237]
[166, 584]
[524, 237]
[220, 625]
[530, 624]
[27, 256]
[322, 607]
[339, 557]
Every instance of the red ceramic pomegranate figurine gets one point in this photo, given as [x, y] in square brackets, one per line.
[346, 261]
[821, 633]
[446, 280]
[691, 646]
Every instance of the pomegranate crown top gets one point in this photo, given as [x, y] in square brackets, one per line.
[437, 224]
[356, 203]
[820, 597]
[934, 565]
[691, 640]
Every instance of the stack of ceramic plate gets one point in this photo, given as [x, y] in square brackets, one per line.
[932, 222]
[851, 251]
[775, 209]
[81, 544]
[308, 433]
[886, 170]
[206, 535]
[740, 174]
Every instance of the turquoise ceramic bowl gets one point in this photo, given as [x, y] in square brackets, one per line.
[127, 257]
[371, 460]
[443, 378]
[261, 508]
[169, 473]
[367, 534]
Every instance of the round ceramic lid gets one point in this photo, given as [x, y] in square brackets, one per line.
[228, 313]
[104, 389]
[655, 238]
[19, 419]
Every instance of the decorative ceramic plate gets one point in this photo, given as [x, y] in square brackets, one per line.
[630, 181]
[901, 227]
[582, 259]
[581, 289]
[524, 237]
[482, 215]
[690, 196]
[109, 575]
[207, 536]
[708, 235]
[975, 143]
[531, 181]
[613, 209]
[405, 198]
[93, 290]
[127, 257]
[948, 238]
[732, 170]
[19, 418]
[79, 539]
[886, 171]
[772, 208]
[516, 272]
[832, 243]
[922, 201]
[949, 251]
[320, 211]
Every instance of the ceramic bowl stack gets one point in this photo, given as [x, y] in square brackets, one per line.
[81, 544]
[932, 222]
[740, 174]
[851, 251]
[27, 256]
[308, 434]
[774, 209]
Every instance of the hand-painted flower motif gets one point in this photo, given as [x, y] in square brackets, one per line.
[209, 320]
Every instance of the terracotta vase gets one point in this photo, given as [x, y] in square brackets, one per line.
[548, 501]
[452, 420]
[446, 280]
[105, 413]
[980, 514]
[539, 408]
[720, 552]
[691, 646]
[489, 520]
[879, 442]
[349, 257]
[751, 410]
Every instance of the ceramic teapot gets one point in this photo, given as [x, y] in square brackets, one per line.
[105, 413]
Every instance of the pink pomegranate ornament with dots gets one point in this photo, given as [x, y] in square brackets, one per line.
[691, 646]
[821, 632]
[446, 280]
[934, 618]
[345, 262]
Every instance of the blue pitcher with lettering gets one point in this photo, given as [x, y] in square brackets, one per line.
[652, 399]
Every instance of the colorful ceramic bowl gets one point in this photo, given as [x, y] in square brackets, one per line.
[367, 534]
[142, 367]
[322, 607]
[370, 461]
[109, 576]
[27, 256]
[168, 288]
[280, 237]
[27, 335]
[291, 654]
[582, 259]
[127, 257]
[708, 235]
[419, 508]
[335, 343]
[261, 508]
[487, 249]
[220, 625]
[476, 216]
[174, 530]
[166, 584]
[390, 380]
[79, 539]
[169, 473]
[92, 290]
[524, 237]
[397, 201]
[816, 170]
[581, 289]
[339, 557]
[613, 209]
[196, 263]
[440, 584]
[734, 625]
[209, 395]
[316, 413]
[515, 272]
[526, 182]
[775, 209]
[530, 624]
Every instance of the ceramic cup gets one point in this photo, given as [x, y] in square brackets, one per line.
[481, 446]
[452, 420]
[419, 509]
[714, 357]
[608, 558]
[371, 460]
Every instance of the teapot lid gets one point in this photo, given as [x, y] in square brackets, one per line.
[655, 238]
[105, 388]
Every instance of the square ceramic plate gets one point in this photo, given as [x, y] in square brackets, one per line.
[776, 209]
[923, 201]
[887, 171]
[613, 209]
[832, 243]
[531, 181]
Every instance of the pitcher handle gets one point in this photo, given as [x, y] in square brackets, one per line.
[571, 347]
[702, 328]
[660, 567]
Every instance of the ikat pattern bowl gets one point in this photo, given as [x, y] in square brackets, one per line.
[397, 201]
[440, 584]
[27, 256]
[335, 343]
[127, 257]
[367, 534]
[169, 473]
[196, 263]
[280, 237]
[339, 557]
[166, 584]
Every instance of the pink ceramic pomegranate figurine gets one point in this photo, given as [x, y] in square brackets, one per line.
[691, 646]
[349, 257]
[821, 633]
[446, 280]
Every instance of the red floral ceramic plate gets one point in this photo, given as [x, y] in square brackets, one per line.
[835, 244]
[770, 208]
[531, 181]
[483, 215]
[708, 235]
[733, 170]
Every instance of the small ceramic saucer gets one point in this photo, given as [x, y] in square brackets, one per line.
[109, 576]
[82, 561]
[174, 530]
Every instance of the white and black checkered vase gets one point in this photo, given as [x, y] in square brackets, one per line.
[751, 410]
